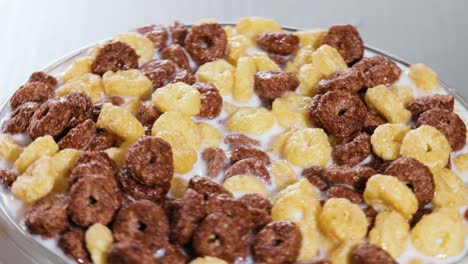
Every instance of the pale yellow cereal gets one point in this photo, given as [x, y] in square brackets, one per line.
[178, 186]
[303, 56]
[386, 140]
[118, 154]
[40, 147]
[277, 145]
[384, 101]
[211, 136]
[36, 182]
[404, 93]
[264, 63]
[179, 97]
[237, 47]
[424, 77]
[129, 83]
[98, 239]
[387, 193]
[342, 253]
[242, 184]
[461, 162]
[230, 31]
[132, 106]
[328, 60]
[9, 150]
[62, 162]
[309, 76]
[390, 232]
[250, 120]
[218, 72]
[243, 86]
[207, 260]
[230, 108]
[439, 234]
[428, 145]
[183, 154]
[176, 121]
[89, 83]
[142, 45]
[290, 110]
[311, 37]
[450, 190]
[308, 147]
[79, 67]
[282, 173]
[120, 122]
[253, 26]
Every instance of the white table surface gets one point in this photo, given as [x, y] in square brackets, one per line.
[34, 33]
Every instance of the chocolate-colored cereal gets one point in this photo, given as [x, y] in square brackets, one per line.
[278, 242]
[352, 152]
[72, 242]
[372, 121]
[315, 175]
[281, 60]
[250, 166]
[177, 54]
[259, 208]
[466, 214]
[178, 32]
[185, 77]
[341, 113]
[206, 42]
[138, 191]
[370, 213]
[81, 106]
[150, 161]
[7, 177]
[418, 215]
[102, 141]
[311, 111]
[98, 156]
[93, 199]
[344, 192]
[185, 219]
[241, 153]
[347, 41]
[239, 140]
[278, 42]
[80, 136]
[449, 123]
[218, 236]
[273, 84]
[43, 77]
[147, 113]
[32, 92]
[353, 176]
[114, 56]
[143, 221]
[173, 254]
[92, 163]
[51, 118]
[417, 175]
[216, 161]
[348, 80]
[115, 100]
[206, 187]
[232, 208]
[130, 252]
[157, 34]
[159, 71]
[422, 104]
[377, 70]
[321, 261]
[20, 118]
[367, 253]
[211, 100]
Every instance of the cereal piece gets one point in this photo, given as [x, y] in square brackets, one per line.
[342, 253]
[42, 146]
[211, 100]
[253, 26]
[239, 140]
[158, 34]
[328, 60]
[114, 56]
[282, 173]
[184, 155]
[414, 173]
[206, 42]
[237, 47]
[185, 77]
[309, 76]
[43, 77]
[290, 110]
[206, 187]
[142, 45]
[250, 166]
[143, 221]
[277, 242]
[178, 187]
[244, 81]
[176, 121]
[427, 145]
[311, 37]
[348, 80]
[178, 32]
[98, 239]
[51, 118]
[159, 71]
[89, 83]
[62, 163]
[341, 113]
[147, 113]
[352, 152]
[344, 192]
[207, 260]
[36, 182]
[72, 242]
[178, 55]
[372, 121]
[264, 63]
[20, 118]
[242, 184]
[308, 147]
[32, 92]
[81, 107]
[449, 123]
[315, 175]
[386, 193]
[232, 208]
[424, 103]
[303, 56]
[461, 162]
[79, 137]
[179, 97]
[274, 84]
[113, 118]
[404, 93]
[47, 216]
[216, 161]
[259, 208]
[439, 234]
[353, 176]
[79, 67]
[129, 252]
[279, 43]
[390, 232]
[131, 83]
[250, 120]
[378, 70]
[346, 40]
[342, 220]
[138, 191]
[387, 139]
[418, 215]
[424, 77]
[384, 101]
[102, 141]
[211, 136]
[241, 153]
[367, 253]
[172, 254]
[220, 73]
[10, 151]
[449, 189]
[7, 177]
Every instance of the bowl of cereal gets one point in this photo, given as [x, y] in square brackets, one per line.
[234, 143]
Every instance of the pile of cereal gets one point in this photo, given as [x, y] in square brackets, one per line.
[246, 144]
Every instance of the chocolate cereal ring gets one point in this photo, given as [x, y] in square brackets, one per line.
[367, 253]
[20, 118]
[43, 77]
[80, 136]
[32, 92]
[206, 42]
[206, 187]
[114, 56]
[259, 208]
[156, 33]
[348, 80]
[278, 42]
[347, 41]
[315, 175]
[130, 252]
[241, 153]
[102, 141]
[251, 166]
[7, 177]
[185, 77]
[422, 104]
[239, 140]
[178, 32]
[232, 208]
[352, 176]
[311, 111]
[216, 161]
[51, 118]
[352, 152]
[377, 70]
[344, 192]
[273, 84]
[211, 100]
[72, 242]
[185, 219]
[372, 121]
[147, 113]
[81, 106]
[159, 71]
[138, 191]
[177, 54]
